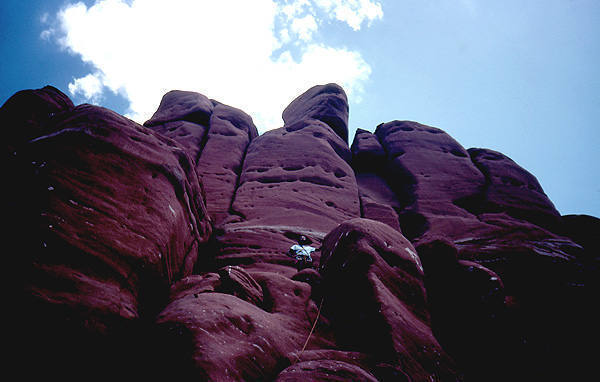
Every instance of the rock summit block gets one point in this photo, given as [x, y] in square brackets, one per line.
[325, 103]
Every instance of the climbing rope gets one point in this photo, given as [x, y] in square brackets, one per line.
[314, 325]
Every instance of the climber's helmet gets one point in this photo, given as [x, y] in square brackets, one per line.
[303, 240]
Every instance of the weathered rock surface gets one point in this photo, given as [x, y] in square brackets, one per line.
[296, 180]
[428, 171]
[377, 200]
[179, 105]
[27, 114]
[325, 103]
[114, 214]
[215, 135]
[374, 294]
[496, 215]
[160, 250]
[325, 370]
[512, 189]
[231, 336]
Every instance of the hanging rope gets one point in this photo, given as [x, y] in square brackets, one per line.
[314, 325]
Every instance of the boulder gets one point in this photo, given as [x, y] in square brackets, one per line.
[375, 299]
[209, 333]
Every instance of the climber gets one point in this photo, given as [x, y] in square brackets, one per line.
[301, 252]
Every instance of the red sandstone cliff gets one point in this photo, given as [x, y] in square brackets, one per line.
[160, 250]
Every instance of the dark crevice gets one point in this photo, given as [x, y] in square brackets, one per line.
[402, 183]
[200, 117]
[203, 142]
[412, 224]
[476, 204]
[403, 189]
[238, 178]
[360, 201]
[479, 203]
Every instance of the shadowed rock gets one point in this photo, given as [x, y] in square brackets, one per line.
[325, 370]
[218, 336]
[114, 214]
[377, 200]
[374, 296]
[30, 113]
[466, 301]
[428, 171]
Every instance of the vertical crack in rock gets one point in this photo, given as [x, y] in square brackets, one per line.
[220, 165]
[232, 211]
[510, 188]
[378, 201]
[430, 170]
[216, 135]
[295, 179]
[374, 296]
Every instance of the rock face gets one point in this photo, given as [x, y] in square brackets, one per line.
[377, 200]
[510, 188]
[215, 135]
[114, 213]
[161, 250]
[325, 103]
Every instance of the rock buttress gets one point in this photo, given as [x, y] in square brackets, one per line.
[498, 217]
[428, 171]
[215, 135]
[296, 180]
[114, 214]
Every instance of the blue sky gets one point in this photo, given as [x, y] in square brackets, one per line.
[519, 77]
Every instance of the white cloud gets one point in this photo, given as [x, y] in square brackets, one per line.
[352, 12]
[46, 34]
[305, 27]
[235, 51]
[89, 86]
[295, 7]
